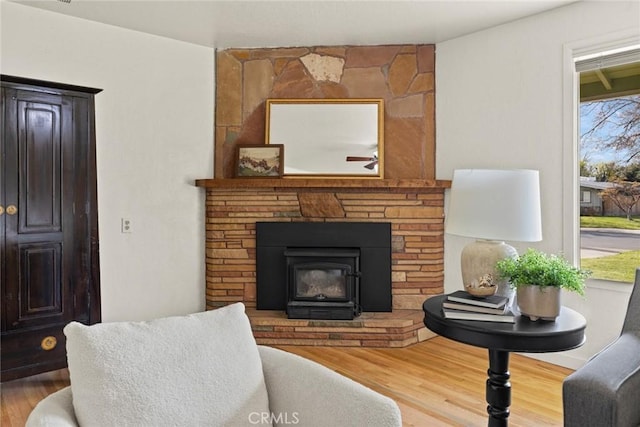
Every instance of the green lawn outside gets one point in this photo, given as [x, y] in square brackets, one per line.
[620, 267]
[610, 222]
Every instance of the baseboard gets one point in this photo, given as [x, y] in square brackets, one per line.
[561, 359]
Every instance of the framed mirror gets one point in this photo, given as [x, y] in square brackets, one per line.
[328, 137]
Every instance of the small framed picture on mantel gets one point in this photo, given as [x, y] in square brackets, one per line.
[260, 161]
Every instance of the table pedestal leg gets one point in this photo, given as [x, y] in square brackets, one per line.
[498, 388]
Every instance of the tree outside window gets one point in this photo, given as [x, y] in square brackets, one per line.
[610, 162]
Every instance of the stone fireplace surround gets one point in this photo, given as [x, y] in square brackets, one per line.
[413, 207]
[401, 75]
[409, 198]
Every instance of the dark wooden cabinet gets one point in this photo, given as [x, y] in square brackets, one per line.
[48, 222]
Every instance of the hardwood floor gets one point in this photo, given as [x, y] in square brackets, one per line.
[19, 397]
[436, 383]
[440, 382]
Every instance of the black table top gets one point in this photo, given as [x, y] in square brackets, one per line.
[524, 335]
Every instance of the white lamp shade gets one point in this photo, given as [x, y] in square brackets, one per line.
[495, 205]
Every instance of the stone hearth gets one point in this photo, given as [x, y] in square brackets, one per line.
[400, 328]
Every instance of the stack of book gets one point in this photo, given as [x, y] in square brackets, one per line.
[461, 305]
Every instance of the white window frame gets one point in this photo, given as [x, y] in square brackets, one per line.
[570, 107]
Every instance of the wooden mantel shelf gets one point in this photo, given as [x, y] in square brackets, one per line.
[320, 183]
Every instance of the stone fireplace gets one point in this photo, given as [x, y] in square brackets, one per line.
[323, 270]
[410, 199]
[412, 209]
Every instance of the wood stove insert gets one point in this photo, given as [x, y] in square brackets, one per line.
[323, 270]
[323, 283]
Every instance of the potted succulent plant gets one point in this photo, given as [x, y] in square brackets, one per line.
[538, 278]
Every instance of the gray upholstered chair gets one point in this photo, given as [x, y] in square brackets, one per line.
[606, 390]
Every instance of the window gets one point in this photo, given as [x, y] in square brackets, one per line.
[609, 160]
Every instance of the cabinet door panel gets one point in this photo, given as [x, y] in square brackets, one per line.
[41, 290]
[40, 166]
[38, 265]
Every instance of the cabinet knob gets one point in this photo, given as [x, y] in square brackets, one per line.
[49, 343]
[1, 209]
[12, 210]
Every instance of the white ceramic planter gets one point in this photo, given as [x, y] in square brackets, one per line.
[539, 302]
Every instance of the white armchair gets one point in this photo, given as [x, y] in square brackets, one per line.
[299, 392]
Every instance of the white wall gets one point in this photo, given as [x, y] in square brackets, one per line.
[154, 130]
[501, 103]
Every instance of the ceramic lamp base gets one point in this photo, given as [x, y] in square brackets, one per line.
[478, 262]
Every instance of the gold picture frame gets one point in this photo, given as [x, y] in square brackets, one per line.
[328, 137]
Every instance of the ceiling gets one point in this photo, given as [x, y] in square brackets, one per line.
[266, 23]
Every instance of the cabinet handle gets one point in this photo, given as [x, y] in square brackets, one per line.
[48, 343]
[1, 209]
[12, 210]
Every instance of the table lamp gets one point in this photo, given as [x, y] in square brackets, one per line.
[492, 206]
